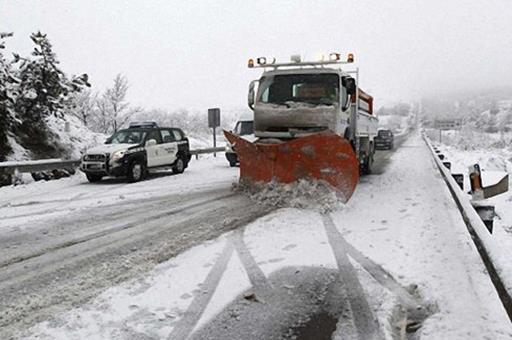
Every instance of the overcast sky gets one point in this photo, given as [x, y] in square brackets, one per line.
[194, 53]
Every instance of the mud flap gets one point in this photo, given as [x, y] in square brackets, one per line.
[323, 156]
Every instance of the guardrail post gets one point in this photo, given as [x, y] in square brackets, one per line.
[459, 178]
[486, 213]
[448, 165]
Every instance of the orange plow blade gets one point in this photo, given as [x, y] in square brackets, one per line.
[323, 156]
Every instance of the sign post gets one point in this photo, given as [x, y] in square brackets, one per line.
[214, 122]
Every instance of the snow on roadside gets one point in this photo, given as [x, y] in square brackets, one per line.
[78, 138]
[411, 227]
[18, 151]
[494, 164]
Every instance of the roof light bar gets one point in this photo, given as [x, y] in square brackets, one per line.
[295, 60]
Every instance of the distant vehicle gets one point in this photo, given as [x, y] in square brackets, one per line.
[385, 140]
[131, 152]
[244, 127]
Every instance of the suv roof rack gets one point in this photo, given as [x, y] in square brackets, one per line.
[138, 125]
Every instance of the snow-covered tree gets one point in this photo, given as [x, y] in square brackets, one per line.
[113, 111]
[7, 93]
[44, 89]
[84, 105]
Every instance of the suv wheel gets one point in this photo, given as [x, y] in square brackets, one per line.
[179, 166]
[136, 171]
[93, 178]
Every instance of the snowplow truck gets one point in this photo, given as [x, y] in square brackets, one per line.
[311, 120]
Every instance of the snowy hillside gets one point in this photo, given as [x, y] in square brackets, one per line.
[70, 143]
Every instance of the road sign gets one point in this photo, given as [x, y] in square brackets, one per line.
[213, 117]
[214, 122]
[448, 124]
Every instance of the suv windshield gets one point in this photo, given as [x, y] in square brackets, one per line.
[317, 89]
[127, 137]
[244, 128]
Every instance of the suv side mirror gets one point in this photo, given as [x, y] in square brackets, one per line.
[151, 142]
[251, 95]
[350, 85]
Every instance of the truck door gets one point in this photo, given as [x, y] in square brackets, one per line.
[169, 147]
[152, 151]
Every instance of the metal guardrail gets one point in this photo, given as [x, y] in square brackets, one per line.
[207, 150]
[53, 164]
[36, 166]
[477, 229]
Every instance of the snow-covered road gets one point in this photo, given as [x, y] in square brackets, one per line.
[396, 262]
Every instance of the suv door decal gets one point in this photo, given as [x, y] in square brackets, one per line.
[169, 147]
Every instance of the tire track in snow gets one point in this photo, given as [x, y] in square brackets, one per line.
[362, 317]
[197, 307]
[100, 221]
[102, 233]
[256, 276]
[71, 275]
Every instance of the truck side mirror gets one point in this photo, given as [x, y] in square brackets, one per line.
[350, 85]
[251, 95]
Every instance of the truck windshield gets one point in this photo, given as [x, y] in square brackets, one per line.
[244, 128]
[127, 137]
[316, 89]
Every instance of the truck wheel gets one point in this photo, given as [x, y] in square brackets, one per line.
[136, 171]
[179, 166]
[366, 167]
[93, 178]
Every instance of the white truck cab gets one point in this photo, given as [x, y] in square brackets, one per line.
[300, 98]
[132, 152]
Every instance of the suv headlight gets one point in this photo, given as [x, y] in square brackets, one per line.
[116, 156]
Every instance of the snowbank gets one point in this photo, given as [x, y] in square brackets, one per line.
[495, 163]
[304, 194]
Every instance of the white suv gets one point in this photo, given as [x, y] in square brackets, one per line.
[131, 152]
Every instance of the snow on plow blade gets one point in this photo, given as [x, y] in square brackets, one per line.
[324, 156]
